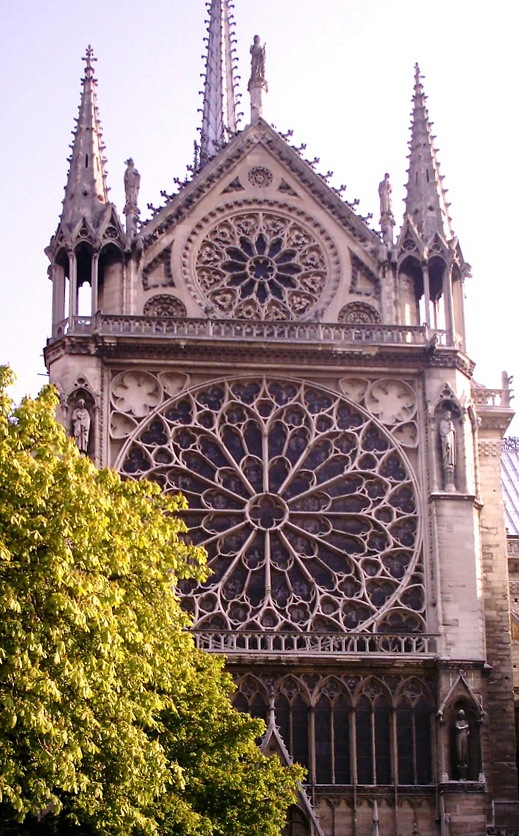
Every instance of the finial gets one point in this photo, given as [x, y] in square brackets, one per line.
[257, 82]
[89, 59]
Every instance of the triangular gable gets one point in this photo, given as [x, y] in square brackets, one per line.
[410, 241]
[222, 169]
[459, 689]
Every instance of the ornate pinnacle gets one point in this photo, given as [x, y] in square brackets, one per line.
[426, 203]
[219, 118]
[86, 191]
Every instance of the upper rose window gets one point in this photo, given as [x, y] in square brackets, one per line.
[263, 265]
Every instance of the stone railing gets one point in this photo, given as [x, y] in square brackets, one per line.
[223, 329]
[494, 397]
[491, 397]
[232, 642]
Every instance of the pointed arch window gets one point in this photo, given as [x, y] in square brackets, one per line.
[373, 740]
[292, 718]
[413, 729]
[332, 741]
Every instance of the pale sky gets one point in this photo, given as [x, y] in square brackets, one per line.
[340, 75]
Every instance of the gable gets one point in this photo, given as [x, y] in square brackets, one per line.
[257, 234]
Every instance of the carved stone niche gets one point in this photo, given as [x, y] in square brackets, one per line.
[80, 412]
[463, 721]
[448, 444]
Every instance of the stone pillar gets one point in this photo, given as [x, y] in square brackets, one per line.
[501, 769]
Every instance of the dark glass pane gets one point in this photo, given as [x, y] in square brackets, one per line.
[341, 727]
[258, 707]
[323, 742]
[404, 730]
[300, 731]
[383, 742]
[423, 743]
[240, 703]
[364, 742]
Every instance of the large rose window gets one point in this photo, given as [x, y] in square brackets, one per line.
[262, 265]
[304, 502]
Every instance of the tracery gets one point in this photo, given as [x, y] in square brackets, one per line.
[266, 264]
[304, 502]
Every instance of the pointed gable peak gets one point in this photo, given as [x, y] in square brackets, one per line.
[426, 202]
[219, 116]
[86, 192]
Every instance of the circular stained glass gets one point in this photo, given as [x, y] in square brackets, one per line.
[305, 504]
[261, 264]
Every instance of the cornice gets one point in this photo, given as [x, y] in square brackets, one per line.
[267, 352]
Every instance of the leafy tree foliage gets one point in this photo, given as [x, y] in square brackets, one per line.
[111, 721]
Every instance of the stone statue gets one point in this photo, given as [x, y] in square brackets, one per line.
[448, 441]
[384, 191]
[257, 74]
[81, 426]
[132, 181]
[461, 731]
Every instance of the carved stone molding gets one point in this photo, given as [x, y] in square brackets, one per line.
[490, 448]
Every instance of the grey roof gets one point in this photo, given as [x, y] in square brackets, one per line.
[510, 479]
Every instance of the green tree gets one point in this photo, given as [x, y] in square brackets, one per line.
[111, 721]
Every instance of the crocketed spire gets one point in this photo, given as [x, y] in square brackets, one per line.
[219, 119]
[86, 192]
[426, 203]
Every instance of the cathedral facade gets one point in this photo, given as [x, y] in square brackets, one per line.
[303, 380]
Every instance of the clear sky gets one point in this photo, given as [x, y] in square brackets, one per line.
[340, 76]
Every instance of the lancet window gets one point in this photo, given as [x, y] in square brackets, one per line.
[356, 732]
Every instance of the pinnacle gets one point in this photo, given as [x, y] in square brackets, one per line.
[86, 192]
[219, 117]
[425, 201]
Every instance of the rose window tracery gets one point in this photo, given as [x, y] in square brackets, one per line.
[304, 502]
[262, 264]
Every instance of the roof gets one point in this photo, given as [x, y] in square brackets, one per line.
[510, 480]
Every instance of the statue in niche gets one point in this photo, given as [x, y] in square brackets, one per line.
[132, 182]
[448, 448]
[81, 426]
[258, 54]
[384, 191]
[461, 731]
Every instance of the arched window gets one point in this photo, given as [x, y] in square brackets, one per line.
[413, 730]
[373, 740]
[332, 741]
[251, 698]
[292, 719]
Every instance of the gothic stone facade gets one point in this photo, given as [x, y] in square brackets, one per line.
[258, 348]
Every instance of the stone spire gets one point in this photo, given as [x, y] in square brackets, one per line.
[86, 193]
[219, 119]
[426, 203]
